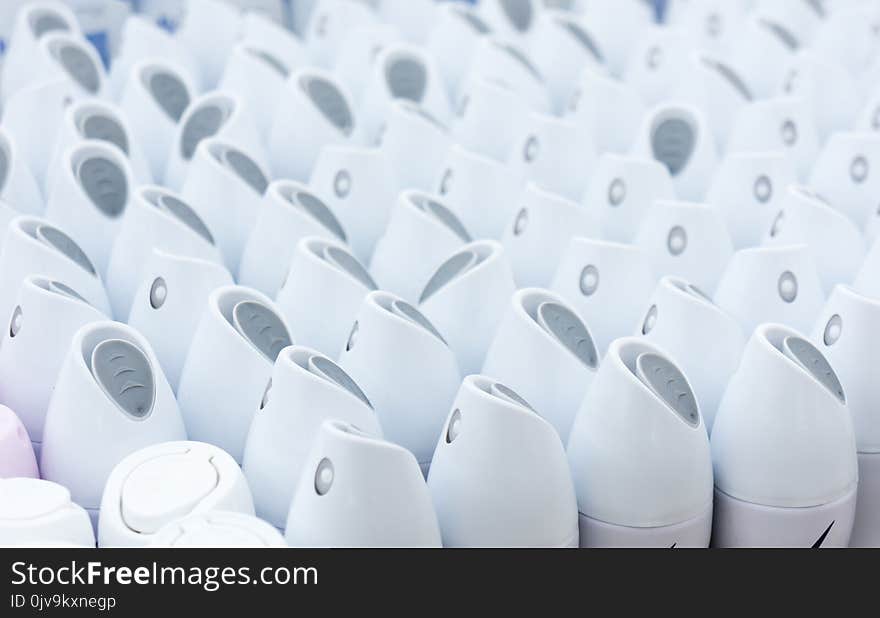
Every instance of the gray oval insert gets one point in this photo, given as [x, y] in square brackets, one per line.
[569, 330]
[582, 37]
[60, 241]
[667, 382]
[105, 183]
[79, 65]
[170, 93]
[105, 128]
[245, 168]
[442, 214]
[319, 211]
[329, 101]
[811, 359]
[408, 312]
[508, 394]
[203, 123]
[730, 76]
[186, 215]
[47, 21]
[65, 290]
[673, 143]
[327, 369]
[345, 261]
[519, 13]
[124, 373]
[262, 327]
[477, 24]
[271, 61]
[450, 270]
[407, 78]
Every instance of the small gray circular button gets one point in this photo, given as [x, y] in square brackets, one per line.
[521, 223]
[650, 320]
[342, 184]
[677, 241]
[654, 58]
[446, 182]
[763, 189]
[789, 133]
[589, 280]
[617, 192]
[158, 293]
[530, 150]
[833, 330]
[859, 169]
[788, 287]
[324, 477]
[15, 323]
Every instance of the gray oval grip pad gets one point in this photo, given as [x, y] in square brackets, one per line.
[204, 123]
[320, 212]
[102, 127]
[569, 330]
[673, 144]
[65, 290]
[80, 67]
[125, 374]
[47, 22]
[509, 395]
[262, 327]
[413, 315]
[330, 102]
[814, 362]
[450, 270]
[170, 93]
[443, 215]
[519, 12]
[105, 184]
[327, 369]
[407, 79]
[345, 261]
[246, 169]
[60, 241]
[668, 383]
[181, 211]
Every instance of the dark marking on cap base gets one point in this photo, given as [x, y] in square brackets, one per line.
[569, 330]
[170, 93]
[105, 184]
[668, 383]
[327, 369]
[126, 376]
[60, 241]
[262, 327]
[673, 144]
[811, 359]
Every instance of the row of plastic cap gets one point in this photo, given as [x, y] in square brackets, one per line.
[786, 458]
